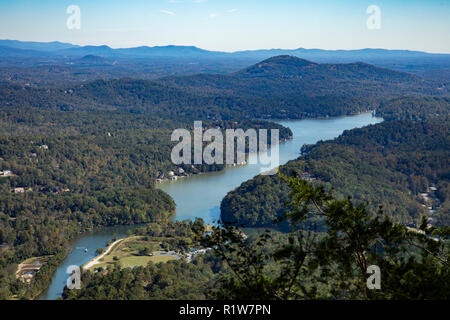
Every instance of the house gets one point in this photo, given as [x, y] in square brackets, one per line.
[306, 175]
[27, 276]
[6, 173]
[18, 190]
[241, 234]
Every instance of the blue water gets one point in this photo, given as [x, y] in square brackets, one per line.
[200, 195]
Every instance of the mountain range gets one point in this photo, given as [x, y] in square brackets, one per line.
[63, 53]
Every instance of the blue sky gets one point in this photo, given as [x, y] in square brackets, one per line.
[230, 25]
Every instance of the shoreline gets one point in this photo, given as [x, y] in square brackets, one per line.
[159, 185]
[94, 261]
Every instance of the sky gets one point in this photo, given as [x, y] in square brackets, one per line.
[232, 25]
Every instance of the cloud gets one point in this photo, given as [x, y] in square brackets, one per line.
[168, 12]
[232, 10]
[213, 15]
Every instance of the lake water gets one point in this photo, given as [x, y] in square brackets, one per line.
[200, 195]
[83, 250]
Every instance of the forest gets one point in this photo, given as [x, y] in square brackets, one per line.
[85, 155]
[388, 164]
[75, 170]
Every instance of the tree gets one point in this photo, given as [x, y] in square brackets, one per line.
[334, 264]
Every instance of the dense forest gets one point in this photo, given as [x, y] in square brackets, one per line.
[389, 164]
[299, 264]
[265, 90]
[84, 155]
[79, 170]
[334, 264]
[392, 161]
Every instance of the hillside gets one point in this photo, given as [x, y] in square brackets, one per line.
[280, 87]
[287, 76]
[389, 164]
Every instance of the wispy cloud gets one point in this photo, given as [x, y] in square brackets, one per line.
[232, 10]
[171, 13]
[213, 15]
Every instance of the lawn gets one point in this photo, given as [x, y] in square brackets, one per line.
[137, 261]
[127, 253]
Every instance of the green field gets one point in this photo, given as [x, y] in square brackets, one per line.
[128, 253]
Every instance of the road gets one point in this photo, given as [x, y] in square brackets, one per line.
[96, 260]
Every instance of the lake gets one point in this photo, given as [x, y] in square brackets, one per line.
[200, 195]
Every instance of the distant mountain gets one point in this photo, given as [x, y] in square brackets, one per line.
[92, 60]
[316, 55]
[339, 55]
[103, 51]
[401, 60]
[9, 52]
[142, 52]
[276, 67]
[37, 46]
[292, 77]
[170, 51]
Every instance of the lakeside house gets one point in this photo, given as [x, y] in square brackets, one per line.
[6, 173]
[171, 175]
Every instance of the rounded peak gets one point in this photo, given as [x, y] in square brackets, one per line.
[288, 59]
[284, 66]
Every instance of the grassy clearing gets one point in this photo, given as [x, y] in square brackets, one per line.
[133, 252]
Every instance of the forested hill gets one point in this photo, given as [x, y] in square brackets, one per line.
[414, 108]
[69, 171]
[388, 164]
[280, 87]
[285, 76]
